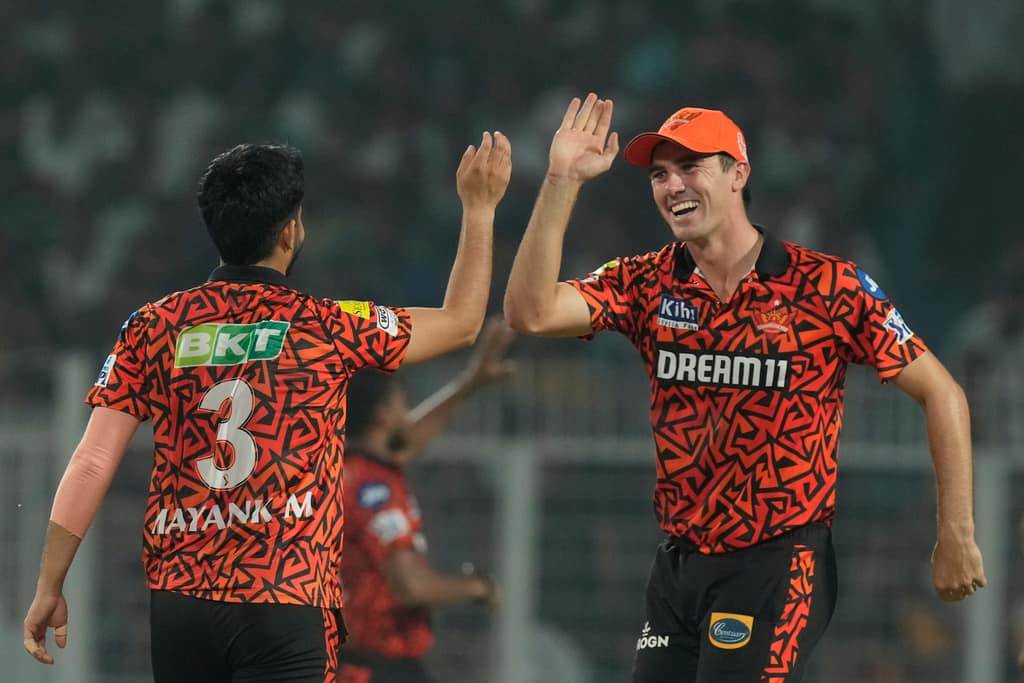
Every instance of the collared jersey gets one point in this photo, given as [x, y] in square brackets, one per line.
[747, 395]
[245, 381]
[382, 517]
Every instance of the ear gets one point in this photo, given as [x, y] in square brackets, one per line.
[740, 174]
[289, 233]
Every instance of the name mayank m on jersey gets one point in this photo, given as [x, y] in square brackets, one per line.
[192, 520]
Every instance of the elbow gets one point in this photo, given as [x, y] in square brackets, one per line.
[520, 319]
[468, 334]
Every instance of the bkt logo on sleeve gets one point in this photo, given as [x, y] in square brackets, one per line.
[677, 314]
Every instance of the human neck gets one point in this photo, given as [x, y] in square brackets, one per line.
[278, 261]
[726, 257]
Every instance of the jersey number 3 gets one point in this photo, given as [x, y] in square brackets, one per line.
[230, 431]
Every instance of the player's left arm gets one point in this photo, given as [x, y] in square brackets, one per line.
[82, 489]
[957, 568]
[486, 365]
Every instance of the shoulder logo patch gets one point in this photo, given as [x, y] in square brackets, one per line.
[373, 495]
[895, 324]
[360, 309]
[870, 286]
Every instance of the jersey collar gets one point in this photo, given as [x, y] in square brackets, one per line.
[232, 273]
[771, 262]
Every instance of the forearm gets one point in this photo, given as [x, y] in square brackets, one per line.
[949, 439]
[58, 554]
[534, 277]
[465, 299]
[431, 589]
[429, 417]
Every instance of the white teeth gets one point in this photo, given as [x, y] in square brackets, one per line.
[683, 206]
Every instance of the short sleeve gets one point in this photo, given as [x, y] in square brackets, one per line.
[611, 297]
[870, 329]
[368, 335]
[121, 383]
[382, 509]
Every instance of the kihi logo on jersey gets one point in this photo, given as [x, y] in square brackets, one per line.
[387, 320]
[729, 631]
[895, 324]
[705, 368]
[870, 286]
[216, 344]
[360, 309]
[108, 365]
[374, 495]
[677, 313]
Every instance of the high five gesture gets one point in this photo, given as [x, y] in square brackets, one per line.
[582, 148]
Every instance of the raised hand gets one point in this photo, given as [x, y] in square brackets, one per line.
[582, 148]
[488, 363]
[484, 172]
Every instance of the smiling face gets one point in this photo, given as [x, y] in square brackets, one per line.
[692, 191]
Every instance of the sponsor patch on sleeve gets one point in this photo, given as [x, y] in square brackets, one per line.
[124, 327]
[895, 324]
[594, 275]
[374, 495]
[870, 286]
[108, 365]
[360, 309]
[390, 525]
[728, 631]
[387, 320]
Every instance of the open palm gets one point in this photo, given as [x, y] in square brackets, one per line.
[582, 148]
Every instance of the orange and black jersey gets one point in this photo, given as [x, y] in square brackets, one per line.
[382, 516]
[747, 395]
[245, 380]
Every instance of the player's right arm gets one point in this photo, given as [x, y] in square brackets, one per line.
[416, 584]
[582, 149]
[82, 489]
[481, 179]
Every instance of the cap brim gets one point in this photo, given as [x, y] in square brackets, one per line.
[641, 148]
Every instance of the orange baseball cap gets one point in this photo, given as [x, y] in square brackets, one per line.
[707, 131]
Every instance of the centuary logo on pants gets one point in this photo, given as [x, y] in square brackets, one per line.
[730, 631]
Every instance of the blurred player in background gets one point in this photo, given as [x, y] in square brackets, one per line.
[389, 584]
[746, 340]
[245, 380]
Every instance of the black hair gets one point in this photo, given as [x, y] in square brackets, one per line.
[246, 195]
[367, 391]
[728, 162]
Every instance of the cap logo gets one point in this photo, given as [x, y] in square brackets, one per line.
[684, 116]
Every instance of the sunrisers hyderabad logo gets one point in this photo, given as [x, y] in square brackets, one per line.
[682, 117]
